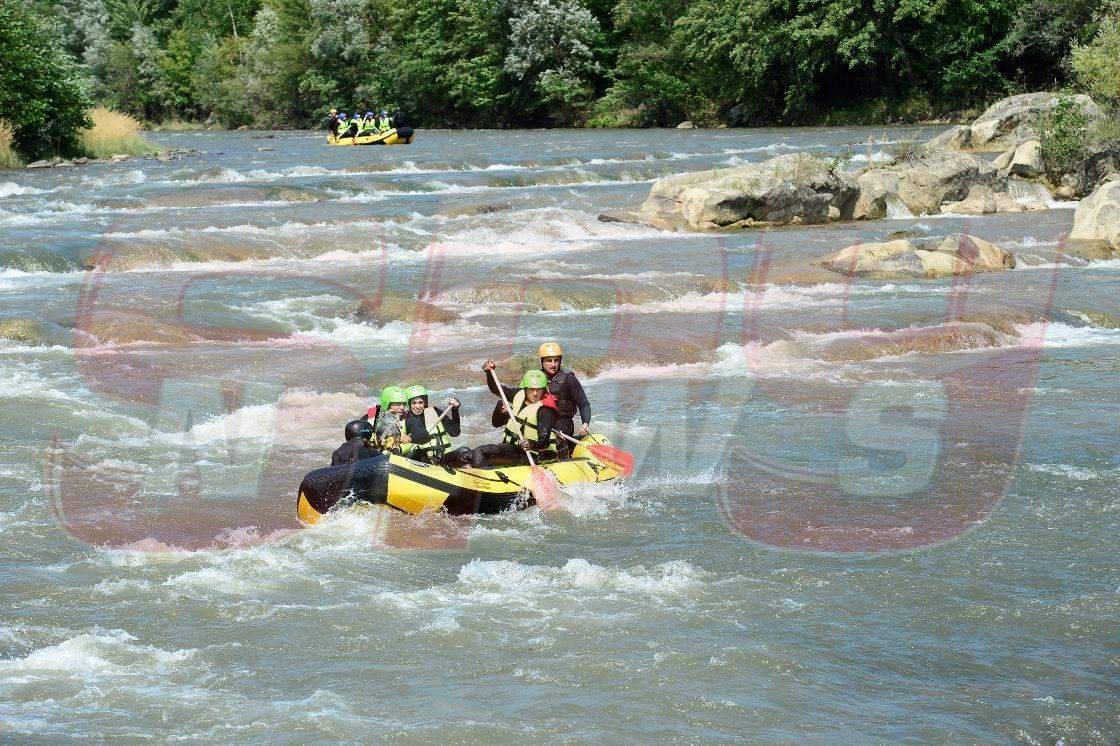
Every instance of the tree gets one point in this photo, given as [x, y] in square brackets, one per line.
[550, 47]
[42, 95]
[447, 58]
[1097, 64]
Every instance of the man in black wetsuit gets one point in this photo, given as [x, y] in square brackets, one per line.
[357, 445]
[567, 390]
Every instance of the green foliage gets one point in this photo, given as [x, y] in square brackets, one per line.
[42, 96]
[1063, 136]
[281, 63]
[448, 60]
[1097, 64]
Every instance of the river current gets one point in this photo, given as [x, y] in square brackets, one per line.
[864, 510]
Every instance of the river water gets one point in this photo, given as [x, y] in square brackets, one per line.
[873, 510]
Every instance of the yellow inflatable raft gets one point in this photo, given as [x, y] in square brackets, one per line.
[395, 136]
[414, 487]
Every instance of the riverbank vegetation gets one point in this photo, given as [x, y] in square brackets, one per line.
[111, 133]
[500, 63]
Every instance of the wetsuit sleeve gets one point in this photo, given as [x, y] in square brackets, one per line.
[415, 427]
[509, 390]
[451, 424]
[546, 418]
[499, 418]
[579, 396]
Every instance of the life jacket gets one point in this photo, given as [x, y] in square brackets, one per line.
[388, 438]
[384, 123]
[439, 442]
[564, 404]
[523, 421]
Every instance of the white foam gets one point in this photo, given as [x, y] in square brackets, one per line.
[514, 579]
[1068, 471]
[12, 189]
[92, 654]
[1058, 335]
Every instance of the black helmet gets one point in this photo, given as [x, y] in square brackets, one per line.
[356, 428]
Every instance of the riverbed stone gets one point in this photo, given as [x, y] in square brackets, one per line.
[686, 125]
[23, 330]
[983, 200]
[957, 254]
[796, 188]
[930, 177]
[1027, 160]
[1096, 224]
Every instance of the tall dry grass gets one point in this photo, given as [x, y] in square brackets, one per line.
[111, 133]
[8, 156]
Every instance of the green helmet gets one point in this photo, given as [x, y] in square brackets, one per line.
[534, 379]
[414, 391]
[392, 395]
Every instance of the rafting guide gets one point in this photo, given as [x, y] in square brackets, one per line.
[406, 458]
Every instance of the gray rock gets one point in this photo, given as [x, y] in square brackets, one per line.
[1016, 118]
[876, 189]
[264, 149]
[795, 188]
[61, 164]
[1100, 165]
[957, 254]
[982, 200]
[686, 125]
[40, 164]
[958, 137]
[1027, 160]
[1003, 162]
[928, 178]
[1096, 223]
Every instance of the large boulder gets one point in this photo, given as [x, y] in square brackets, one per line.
[1100, 164]
[1096, 224]
[1015, 118]
[957, 254]
[796, 188]
[929, 177]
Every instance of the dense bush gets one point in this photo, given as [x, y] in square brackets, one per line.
[42, 96]
[1064, 136]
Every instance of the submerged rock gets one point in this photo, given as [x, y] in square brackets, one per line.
[957, 254]
[1096, 224]
[796, 188]
[384, 308]
[26, 331]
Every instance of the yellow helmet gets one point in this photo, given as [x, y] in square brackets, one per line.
[549, 349]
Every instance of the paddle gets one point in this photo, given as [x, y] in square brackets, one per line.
[616, 457]
[542, 485]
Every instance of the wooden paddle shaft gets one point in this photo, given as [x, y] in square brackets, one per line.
[509, 410]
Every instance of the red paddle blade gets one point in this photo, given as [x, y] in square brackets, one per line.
[621, 460]
[544, 488]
